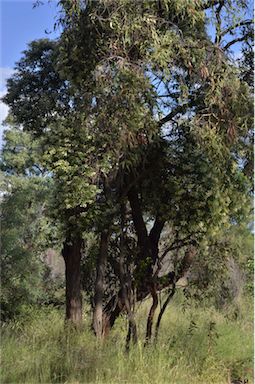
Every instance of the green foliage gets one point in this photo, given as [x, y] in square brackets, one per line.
[71, 159]
[102, 114]
[21, 154]
[24, 231]
[196, 188]
[223, 269]
[35, 79]
[27, 231]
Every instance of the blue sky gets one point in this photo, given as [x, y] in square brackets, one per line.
[20, 24]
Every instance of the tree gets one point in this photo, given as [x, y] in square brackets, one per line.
[26, 227]
[151, 135]
[53, 121]
[223, 276]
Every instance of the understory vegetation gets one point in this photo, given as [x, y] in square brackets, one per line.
[196, 345]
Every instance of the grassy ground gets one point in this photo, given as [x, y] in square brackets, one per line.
[195, 346]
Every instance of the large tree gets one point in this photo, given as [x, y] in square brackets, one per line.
[144, 122]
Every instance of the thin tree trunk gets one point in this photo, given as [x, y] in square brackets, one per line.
[132, 332]
[125, 282]
[161, 313]
[132, 329]
[72, 256]
[99, 286]
[151, 314]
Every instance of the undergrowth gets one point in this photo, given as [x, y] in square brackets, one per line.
[195, 346]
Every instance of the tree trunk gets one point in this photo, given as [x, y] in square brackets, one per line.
[161, 313]
[99, 286]
[132, 332]
[126, 282]
[146, 257]
[72, 255]
[151, 314]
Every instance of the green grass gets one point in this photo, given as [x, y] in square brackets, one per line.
[195, 346]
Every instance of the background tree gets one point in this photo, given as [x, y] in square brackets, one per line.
[27, 230]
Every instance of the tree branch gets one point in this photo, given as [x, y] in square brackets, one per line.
[194, 99]
[237, 40]
[237, 25]
[161, 313]
[210, 4]
[139, 224]
[156, 229]
[154, 236]
[175, 245]
[172, 114]
[218, 25]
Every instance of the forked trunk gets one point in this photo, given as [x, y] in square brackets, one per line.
[72, 255]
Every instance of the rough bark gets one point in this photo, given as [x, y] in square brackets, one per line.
[71, 252]
[99, 286]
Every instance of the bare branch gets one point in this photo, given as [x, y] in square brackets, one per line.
[194, 99]
[172, 95]
[237, 25]
[237, 40]
[175, 245]
[173, 113]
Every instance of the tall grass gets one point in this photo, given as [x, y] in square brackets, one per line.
[194, 346]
